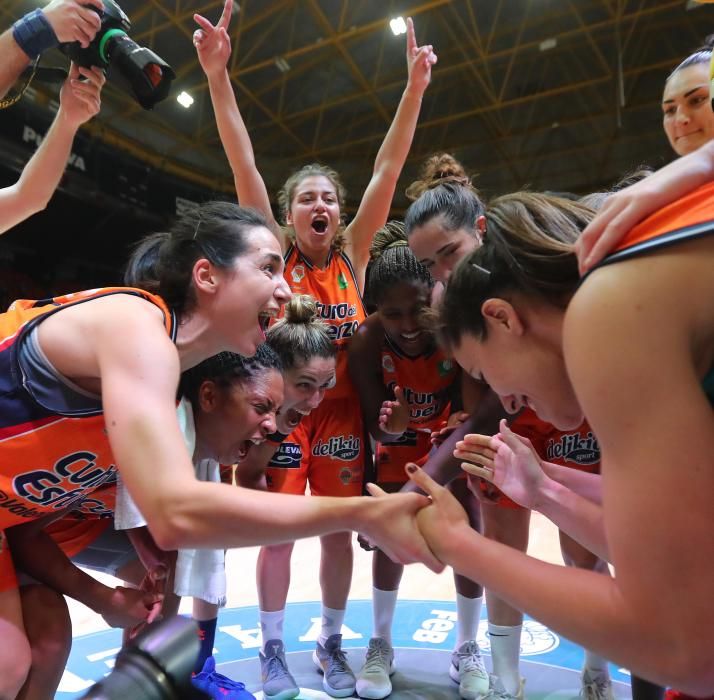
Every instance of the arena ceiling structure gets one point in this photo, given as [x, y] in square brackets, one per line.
[560, 95]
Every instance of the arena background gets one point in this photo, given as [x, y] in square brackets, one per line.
[562, 95]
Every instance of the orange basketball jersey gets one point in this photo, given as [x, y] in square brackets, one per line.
[49, 461]
[689, 217]
[426, 381]
[339, 303]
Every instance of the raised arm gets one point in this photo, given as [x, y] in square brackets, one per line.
[374, 208]
[213, 46]
[79, 102]
[60, 21]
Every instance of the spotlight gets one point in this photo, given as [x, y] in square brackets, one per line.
[185, 100]
[398, 26]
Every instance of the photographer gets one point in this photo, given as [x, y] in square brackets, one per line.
[61, 21]
[79, 102]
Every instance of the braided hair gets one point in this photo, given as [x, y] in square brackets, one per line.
[392, 262]
[227, 369]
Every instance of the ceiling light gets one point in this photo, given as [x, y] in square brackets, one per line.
[185, 100]
[398, 26]
[548, 44]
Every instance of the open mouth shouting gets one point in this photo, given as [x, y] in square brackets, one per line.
[264, 320]
[320, 224]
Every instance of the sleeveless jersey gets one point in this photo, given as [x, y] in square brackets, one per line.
[685, 219]
[49, 461]
[577, 448]
[339, 304]
[426, 381]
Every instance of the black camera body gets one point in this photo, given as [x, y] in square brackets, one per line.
[146, 76]
[156, 665]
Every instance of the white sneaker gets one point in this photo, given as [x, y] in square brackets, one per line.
[468, 671]
[596, 685]
[373, 679]
[498, 692]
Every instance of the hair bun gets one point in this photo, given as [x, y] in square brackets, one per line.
[301, 308]
[440, 169]
[391, 235]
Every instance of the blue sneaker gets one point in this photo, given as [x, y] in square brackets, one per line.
[218, 686]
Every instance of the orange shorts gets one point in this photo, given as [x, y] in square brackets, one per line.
[8, 580]
[412, 446]
[327, 450]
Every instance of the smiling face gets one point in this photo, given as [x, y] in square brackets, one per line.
[688, 118]
[233, 417]
[401, 309]
[439, 249]
[315, 215]
[522, 361]
[241, 300]
[305, 387]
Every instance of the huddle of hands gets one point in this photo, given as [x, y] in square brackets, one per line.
[505, 461]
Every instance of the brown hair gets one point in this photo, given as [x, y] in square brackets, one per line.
[527, 248]
[287, 194]
[444, 189]
[300, 335]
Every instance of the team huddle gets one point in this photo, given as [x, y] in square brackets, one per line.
[432, 381]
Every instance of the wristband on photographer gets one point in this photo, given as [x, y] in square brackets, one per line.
[34, 34]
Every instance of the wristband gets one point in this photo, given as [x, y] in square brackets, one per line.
[34, 34]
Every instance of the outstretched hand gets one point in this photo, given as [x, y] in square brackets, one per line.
[390, 523]
[212, 43]
[80, 97]
[508, 461]
[420, 59]
[394, 415]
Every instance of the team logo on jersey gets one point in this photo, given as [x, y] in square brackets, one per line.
[288, 456]
[346, 476]
[342, 282]
[574, 448]
[298, 273]
[339, 447]
[445, 367]
[388, 363]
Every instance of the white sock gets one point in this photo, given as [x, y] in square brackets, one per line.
[595, 663]
[468, 614]
[331, 623]
[505, 653]
[271, 625]
[383, 605]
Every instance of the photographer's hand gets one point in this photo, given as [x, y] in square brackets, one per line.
[80, 99]
[74, 21]
[213, 43]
